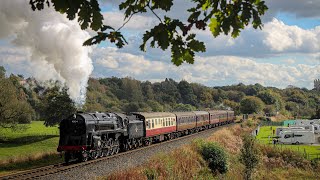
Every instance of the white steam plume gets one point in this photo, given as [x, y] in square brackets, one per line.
[53, 42]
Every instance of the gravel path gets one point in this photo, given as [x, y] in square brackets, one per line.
[137, 158]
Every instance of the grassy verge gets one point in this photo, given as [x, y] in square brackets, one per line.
[31, 148]
[267, 131]
[187, 162]
[30, 162]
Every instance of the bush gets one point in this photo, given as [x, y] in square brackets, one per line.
[214, 155]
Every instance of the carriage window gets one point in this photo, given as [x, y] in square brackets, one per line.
[298, 135]
[152, 123]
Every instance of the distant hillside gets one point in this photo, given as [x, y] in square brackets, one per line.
[128, 95]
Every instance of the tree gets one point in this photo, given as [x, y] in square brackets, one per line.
[206, 99]
[132, 89]
[249, 156]
[184, 107]
[2, 72]
[57, 105]
[186, 91]
[13, 109]
[221, 16]
[233, 105]
[251, 104]
[267, 97]
[235, 95]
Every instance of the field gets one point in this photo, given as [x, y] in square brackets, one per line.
[21, 149]
[266, 132]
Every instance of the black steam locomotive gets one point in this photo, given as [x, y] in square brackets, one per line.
[86, 136]
[93, 135]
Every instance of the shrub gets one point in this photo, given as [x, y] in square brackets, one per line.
[214, 155]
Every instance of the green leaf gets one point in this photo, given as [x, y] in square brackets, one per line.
[96, 21]
[190, 36]
[197, 46]
[214, 27]
[206, 5]
[162, 4]
[188, 56]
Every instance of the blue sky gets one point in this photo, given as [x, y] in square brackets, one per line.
[48, 46]
[293, 20]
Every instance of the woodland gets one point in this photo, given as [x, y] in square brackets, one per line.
[25, 99]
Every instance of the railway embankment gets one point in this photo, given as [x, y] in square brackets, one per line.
[135, 159]
[187, 162]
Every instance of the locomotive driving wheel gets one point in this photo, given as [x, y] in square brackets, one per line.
[129, 144]
[116, 147]
[134, 144]
[104, 149]
[94, 154]
[110, 144]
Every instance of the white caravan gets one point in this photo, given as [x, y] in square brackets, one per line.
[297, 137]
[280, 129]
[308, 127]
[307, 122]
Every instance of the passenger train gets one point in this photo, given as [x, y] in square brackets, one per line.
[86, 136]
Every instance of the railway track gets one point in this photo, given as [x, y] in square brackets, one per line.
[62, 167]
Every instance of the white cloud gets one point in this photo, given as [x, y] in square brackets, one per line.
[280, 37]
[137, 22]
[211, 71]
[289, 61]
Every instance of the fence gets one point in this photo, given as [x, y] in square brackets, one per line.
[270, 123]
[296, 148]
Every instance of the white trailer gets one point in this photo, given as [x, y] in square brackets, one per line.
[306, 122]
[308, 127]
[280, 129]
[297, 137]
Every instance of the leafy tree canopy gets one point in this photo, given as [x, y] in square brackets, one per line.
[221, 16]
[251, 104]
[57, 105]
[14, 109]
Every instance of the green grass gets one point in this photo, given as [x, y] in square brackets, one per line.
[35, 140]
[266, 131]
[36, 128]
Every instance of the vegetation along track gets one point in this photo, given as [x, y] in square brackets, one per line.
[62, 167]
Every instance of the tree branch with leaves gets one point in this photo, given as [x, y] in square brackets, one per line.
[221, 16]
